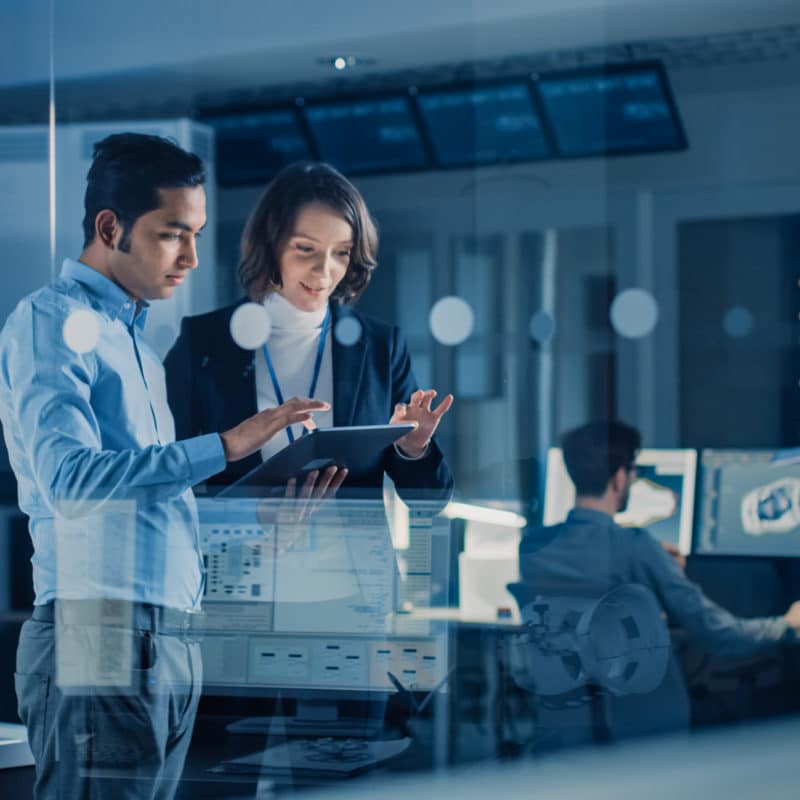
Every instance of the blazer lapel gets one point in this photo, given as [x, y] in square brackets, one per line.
[348, 371]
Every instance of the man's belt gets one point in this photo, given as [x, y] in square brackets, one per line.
[187, 624]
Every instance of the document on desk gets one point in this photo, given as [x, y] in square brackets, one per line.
[317, 757]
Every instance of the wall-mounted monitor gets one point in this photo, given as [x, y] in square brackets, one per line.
[749, 504]
[252, 147]
[483, 124]
[613, 109]
[661, 499]
[368, 135]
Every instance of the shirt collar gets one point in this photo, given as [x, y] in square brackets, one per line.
[590, 515]
[112, 299]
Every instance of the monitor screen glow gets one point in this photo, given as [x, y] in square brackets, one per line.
[319, 606]
[749, 505]
[369, 135]
[611, 111]
[661, 499]
[482, 125]
[252, 148]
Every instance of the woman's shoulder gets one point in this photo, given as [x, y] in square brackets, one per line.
[372, 327]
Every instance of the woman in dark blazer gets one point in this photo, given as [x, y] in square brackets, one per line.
[307, 254]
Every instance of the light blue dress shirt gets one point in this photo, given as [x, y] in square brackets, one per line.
[91, 440]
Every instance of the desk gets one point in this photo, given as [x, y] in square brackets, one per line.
[17, 783]
[456, 615]
[490, 637]
[212, 744]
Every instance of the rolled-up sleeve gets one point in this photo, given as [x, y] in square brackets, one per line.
[49, 389]
[708, 625]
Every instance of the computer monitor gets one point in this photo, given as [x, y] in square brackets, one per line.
[749, 504]
[319, 610]
[661, 498]
[612, 109]
[253, 147]
[483, 124]
[367, 135]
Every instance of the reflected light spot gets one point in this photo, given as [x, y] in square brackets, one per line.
[542, 327]
[81, 331]
[451, 320]
[347, 331]
[738, 322]
[250, 326]
[634, 313]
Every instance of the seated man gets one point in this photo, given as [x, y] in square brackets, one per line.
[589, 554]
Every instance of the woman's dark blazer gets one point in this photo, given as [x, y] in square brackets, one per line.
[211, 387]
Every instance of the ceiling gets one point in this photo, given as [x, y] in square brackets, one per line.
[175, 55]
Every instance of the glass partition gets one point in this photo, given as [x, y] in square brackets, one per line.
[578, 225]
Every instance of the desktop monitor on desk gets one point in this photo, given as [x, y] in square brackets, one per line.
[661, 499]
[749, 505]
[313, 611]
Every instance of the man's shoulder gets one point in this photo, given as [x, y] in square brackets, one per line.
[536, 537]
[630, 536]
[57, 300]
[629, 531]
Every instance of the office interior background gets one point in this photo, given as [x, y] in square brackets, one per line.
[605, 193]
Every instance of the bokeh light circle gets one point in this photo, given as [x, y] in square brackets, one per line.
[634, 313]
[250, 326]
[347, 331]
[451, 320]
[81, 331]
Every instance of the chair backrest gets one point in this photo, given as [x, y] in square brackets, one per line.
[618, 642]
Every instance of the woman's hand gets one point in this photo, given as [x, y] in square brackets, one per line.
[418, 410]
[287, 519]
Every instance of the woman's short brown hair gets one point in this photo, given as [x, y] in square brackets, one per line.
[272, 222]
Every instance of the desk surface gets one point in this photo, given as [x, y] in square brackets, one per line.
[456, 615]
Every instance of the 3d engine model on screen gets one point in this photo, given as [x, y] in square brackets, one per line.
[774, 508]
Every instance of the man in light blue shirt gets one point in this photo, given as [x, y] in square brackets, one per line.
[108, 668]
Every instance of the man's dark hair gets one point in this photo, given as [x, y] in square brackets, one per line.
[595, 451]
[272, 221]
[127, 171]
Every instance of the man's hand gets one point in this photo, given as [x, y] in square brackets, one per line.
[418, 410]
[792, 616]
[251, 435]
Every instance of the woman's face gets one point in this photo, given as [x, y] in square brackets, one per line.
[315, 257]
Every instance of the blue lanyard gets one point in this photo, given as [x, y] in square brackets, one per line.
[317, 366]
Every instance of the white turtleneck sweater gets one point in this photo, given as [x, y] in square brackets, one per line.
[293, 344]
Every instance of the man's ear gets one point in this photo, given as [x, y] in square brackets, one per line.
[107, 228]
[618, 480]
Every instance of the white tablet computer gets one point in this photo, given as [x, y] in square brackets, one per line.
[356, 448]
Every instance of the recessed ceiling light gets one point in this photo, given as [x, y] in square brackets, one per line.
[340, 63]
